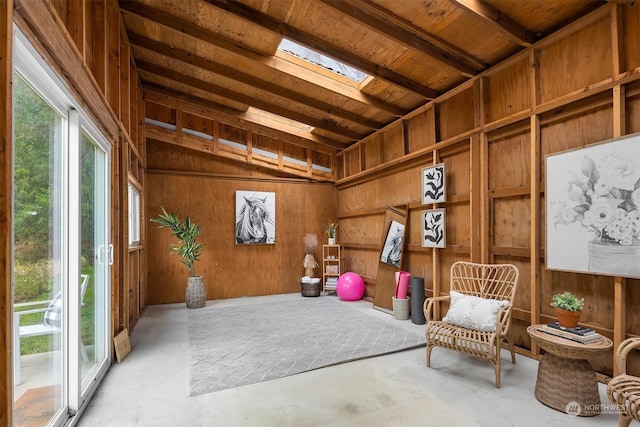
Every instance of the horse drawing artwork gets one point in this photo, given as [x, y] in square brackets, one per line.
[392, 250]
[252, 220]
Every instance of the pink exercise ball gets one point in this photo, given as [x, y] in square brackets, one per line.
[350, 287]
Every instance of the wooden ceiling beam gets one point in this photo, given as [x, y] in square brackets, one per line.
[316, 43]
[239, 119]
[214, 148]
[164, 19]
[498, 20]
[239, 76]
[387, 24]
[253, 101]
[163, 72]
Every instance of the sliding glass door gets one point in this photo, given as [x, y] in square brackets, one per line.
[39, 275]
[61, 250]
[95, 257]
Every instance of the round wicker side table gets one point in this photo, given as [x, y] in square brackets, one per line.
[566, 380]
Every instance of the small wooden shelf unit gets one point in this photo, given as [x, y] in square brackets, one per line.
[331, 266]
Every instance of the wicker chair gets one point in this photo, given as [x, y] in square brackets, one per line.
[496, 284]
[624, 390]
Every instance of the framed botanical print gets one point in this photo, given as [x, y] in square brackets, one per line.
[433, 228]
[434, 184]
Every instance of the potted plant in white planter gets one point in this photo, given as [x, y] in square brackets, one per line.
[189, 250]
[568, 308]
[330, 229]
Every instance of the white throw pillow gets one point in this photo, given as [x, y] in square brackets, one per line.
[473, 312]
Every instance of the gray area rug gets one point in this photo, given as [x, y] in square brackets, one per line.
[235, 346]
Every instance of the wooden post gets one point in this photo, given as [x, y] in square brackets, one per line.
[535, 239]
[619, 283]
[6, 147]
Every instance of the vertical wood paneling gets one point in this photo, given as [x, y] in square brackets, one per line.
[421, 131]
[453, 116]
[75, 24]
[6, 146]
[509, 91]
[478, 215]
[576, 61]
[631, 42]
[98, 26]
[617, 34]
[88, 32]
[125, 88]
[113, 49]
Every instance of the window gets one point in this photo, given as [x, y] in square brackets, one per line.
[322, 60]
[134, 215]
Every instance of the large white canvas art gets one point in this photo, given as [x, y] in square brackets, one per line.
[593, 209]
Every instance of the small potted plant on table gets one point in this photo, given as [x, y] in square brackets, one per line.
[568, 308]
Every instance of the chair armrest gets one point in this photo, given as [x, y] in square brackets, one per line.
[503, 320]
[33, 303]
[18, 314]
[430, 303]
[624, 349]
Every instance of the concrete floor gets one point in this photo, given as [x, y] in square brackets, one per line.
[151, 388]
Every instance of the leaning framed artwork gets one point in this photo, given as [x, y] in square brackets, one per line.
[434, 184]
[255, 217]
[593, 208]
[392, 249]
[433, 228]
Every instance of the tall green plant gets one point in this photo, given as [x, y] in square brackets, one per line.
[187, 232]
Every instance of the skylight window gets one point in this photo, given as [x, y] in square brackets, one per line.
[322, 60]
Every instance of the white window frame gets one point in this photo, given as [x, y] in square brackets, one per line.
[134, 215]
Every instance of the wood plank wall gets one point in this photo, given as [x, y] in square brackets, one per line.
[85, 43]
[580, 86]
[204, 187]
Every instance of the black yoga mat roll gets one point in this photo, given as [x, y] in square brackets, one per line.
[417, 300]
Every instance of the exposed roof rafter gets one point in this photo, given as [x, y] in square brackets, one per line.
[147, 67]
[388, 25]
[239, 119]
[240, 76]
[301, 37]
[182, 26]
[499, 20]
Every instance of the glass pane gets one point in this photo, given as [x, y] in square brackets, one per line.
[93, 254]
[134, 215]
[38, 259]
